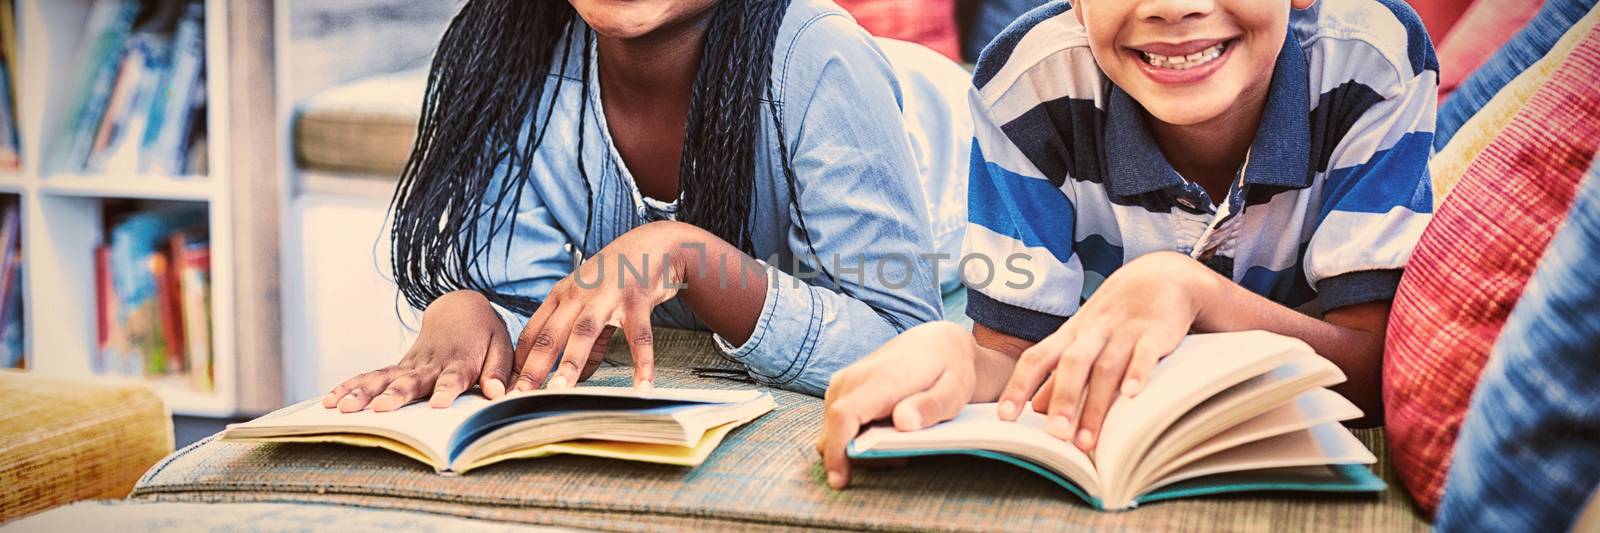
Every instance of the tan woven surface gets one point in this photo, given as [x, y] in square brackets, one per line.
[765, 476]
[63, 441]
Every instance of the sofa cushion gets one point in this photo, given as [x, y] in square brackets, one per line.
[1483, 29]
[65, 440]
[1452, 161]
[1471, 264]
[1552, 21]
[1527, 457]
[365, 128]
[931, 23]
[766, 475]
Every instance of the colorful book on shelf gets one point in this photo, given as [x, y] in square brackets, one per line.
[120, 139]
[145, 290]
[1224, 413]
[666, 426]
[105, 34]
[167, 136]
[192, 255]
[10, 141]
[11, 341]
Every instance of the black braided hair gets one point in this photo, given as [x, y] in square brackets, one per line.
[489, 75]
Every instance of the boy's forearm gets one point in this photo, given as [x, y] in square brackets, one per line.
[1351, 337]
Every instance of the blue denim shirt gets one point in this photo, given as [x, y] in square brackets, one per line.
[875, 131]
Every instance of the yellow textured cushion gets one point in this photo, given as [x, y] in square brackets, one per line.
[67, 440]
[1449, 164]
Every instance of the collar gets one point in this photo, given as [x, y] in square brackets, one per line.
[1280, 154]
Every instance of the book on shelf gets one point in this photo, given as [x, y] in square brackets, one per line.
[1225, 412]
[11, 319]
[666, 426]
[10, 138]
[141, 98]
[153, 297]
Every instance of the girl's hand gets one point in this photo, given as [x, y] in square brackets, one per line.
[1139, 315]
[921, 377]
[461, 340]
[619, 286]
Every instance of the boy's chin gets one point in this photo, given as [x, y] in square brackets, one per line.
[1187, 111]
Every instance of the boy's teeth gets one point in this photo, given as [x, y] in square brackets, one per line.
[1185, 62]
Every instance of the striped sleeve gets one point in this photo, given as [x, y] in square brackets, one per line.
[1377, 195]
[1018, 265]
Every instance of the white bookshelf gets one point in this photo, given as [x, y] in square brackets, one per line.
[62, 213]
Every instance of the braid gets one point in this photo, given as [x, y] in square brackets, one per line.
[490, 75]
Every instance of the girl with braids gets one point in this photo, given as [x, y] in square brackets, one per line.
[760, 168]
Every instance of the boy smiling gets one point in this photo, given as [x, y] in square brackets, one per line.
[1167, 167]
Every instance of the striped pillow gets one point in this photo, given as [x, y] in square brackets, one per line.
[1471, 264]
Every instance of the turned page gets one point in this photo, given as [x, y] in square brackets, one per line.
[416, 424]
[1201, 366]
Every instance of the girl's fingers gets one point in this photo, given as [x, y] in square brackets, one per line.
[457, 376]
[1104, 379]
[1071, 373]
[580, 342]
[497, 365]
[360, 390]
[531, 330]
[545, 344]
[409, 386]
[1032, 368]
[641, 343]
[941, 401]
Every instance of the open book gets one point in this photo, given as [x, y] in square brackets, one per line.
[1226, 412]
[669, 426]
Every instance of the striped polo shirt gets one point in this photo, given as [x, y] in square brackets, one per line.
[1067, 183]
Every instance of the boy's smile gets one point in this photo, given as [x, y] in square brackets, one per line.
[1188, 62]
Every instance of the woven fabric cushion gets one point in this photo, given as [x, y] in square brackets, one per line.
[1532, 42]
[931, 23]
[1471, 264]
[160, 517]
[1451, 163]
[1483, 29]
[766, 475]
[365, 128]
[64, 440]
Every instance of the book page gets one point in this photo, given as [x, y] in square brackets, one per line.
[980, 427]
[1202, 366]
[1323, 444]
[418, 425]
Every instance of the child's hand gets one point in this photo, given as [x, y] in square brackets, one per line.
[1139, 315]
[461, 340]
[619, 286]
[922, 377]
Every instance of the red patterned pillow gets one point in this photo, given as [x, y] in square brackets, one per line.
[930, 23]
[1472, 262]
[1481, 31]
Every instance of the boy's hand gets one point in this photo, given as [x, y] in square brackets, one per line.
[921, 377]
[461, 341]
[1139, 315]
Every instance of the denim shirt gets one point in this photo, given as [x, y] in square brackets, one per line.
[873, 144]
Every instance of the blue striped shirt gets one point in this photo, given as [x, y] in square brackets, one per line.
[1067, 184]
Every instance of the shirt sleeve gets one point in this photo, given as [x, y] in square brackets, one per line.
[862, 205]
[521, 250]
[1376, 198]
[1019, 265]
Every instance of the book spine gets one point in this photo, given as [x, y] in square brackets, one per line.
[111, 21]
[167, 138]
[195, 284]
